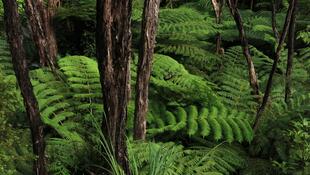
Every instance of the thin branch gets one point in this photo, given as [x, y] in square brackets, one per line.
[245, 47]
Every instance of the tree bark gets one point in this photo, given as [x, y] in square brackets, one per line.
[43, 36]
[245, 47]
[13, 30]
[275, 63]
[113, 54]
[290, 57]
[148, 33]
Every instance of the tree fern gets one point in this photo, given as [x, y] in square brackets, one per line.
[71, 98]
[81, 94]
[183, 31]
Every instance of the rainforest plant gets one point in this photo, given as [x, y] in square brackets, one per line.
[201, 106]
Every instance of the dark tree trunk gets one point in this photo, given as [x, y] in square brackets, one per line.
[290, 57]
[245, 47]
[113, 55]
[13, 29]
[42, 34]
[275, 63]
[148, 35]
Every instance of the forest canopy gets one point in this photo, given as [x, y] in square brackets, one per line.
[154, 87]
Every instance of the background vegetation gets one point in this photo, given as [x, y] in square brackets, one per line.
[200, 103]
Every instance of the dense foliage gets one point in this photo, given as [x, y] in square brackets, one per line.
[200, 105]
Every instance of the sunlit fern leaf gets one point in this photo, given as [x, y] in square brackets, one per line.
[75, 92]
[53, 102]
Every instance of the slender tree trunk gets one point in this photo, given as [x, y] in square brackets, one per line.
[217, 6]
[218, 43]
[274, 20]
[251, 4]
[245, 47]
[13, 29]
[290, 57]
[113, 55]
[148, 33]
[43, 36]
[275, 63]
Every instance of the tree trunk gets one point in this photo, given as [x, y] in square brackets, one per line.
[43, 36]
[113, 54]
[218, 43]
[290, 57]
[273, 20]
[245, 47]
[13, 29]
[217, 6]
[50, 12]
[275, 63]
[148, 33]
[251, 4]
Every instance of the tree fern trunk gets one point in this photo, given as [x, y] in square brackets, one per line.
[15, 40]
[245, 47]
[113, 55]
[148, 33]
[275, 63]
